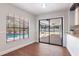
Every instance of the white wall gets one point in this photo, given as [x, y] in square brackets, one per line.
[6, 9]
[63, 14]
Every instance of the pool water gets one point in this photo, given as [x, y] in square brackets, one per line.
[16, 35]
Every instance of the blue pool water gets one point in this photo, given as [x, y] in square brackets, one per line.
[16, 35]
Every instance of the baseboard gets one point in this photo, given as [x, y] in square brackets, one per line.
[14, 48]
[69, 51]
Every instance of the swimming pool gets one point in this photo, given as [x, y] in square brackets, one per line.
[17, 35]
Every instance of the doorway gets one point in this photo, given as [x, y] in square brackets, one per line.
[51, 31]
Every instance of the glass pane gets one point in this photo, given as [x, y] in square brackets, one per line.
[21, 33]
[16, 33]
[44, 31]
[16, 22]
[55, 31]
[10, 21]
[26, 29]
[26, 33]
[21, 23]
[16, 28]
[26, 24]
[10, 34]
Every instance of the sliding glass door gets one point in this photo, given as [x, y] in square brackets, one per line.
[44, 31]
[56, 31]
[51, 31]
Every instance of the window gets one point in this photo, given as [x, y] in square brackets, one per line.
[16, 29]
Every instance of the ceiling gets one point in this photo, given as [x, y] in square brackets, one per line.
[37, 9]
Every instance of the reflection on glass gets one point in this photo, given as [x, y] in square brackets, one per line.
[10, 34]
[26, 35]
[16, 33]
[26, 29]
[51, 31]
[55, 31]
[21, 33]
[44, 31]
[16, 29]
[21, 23]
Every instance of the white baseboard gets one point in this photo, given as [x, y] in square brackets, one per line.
[72, 54]
[14, 48]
